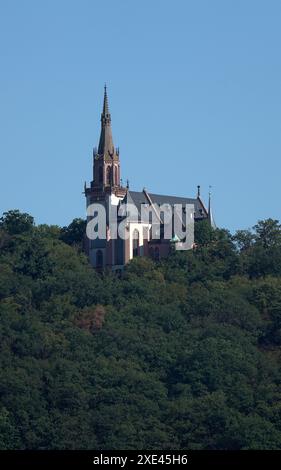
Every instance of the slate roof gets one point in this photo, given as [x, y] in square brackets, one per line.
[139, 198]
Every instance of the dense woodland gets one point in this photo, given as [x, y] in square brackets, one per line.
[179, 354]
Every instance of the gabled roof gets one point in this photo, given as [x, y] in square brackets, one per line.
[143, 197]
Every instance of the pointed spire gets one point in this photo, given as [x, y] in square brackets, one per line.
[105, 110]
[106, 147]
[210, 212]
[209, 203]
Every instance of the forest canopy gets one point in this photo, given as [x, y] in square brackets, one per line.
[183, 353]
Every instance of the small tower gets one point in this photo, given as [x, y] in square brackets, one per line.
[106, 167]
[210, 212]
[106, 190]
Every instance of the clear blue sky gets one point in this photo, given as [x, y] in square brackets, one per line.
[194, 92]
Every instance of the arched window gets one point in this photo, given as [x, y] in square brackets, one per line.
[157, 254]
[99, 259]
[135, 243]
[100, 174]
[108, 175]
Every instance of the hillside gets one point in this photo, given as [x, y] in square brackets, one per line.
[180, 354]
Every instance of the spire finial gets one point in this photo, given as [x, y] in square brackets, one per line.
[210, 193]
[210, 212]
[106, 146]
[105, 110]
[198, 190]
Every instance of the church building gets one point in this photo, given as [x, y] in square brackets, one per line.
[106, 189]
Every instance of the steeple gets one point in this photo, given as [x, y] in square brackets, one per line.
[106, 171]
[105, 110]
[210, 212]
[106, 147]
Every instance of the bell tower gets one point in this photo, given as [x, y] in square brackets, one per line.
[106, 164]
[105, 189]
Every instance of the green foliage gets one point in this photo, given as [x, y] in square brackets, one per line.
[268, 233]
[74, 233]
[183, 353]
[260, 249]
[14, 222]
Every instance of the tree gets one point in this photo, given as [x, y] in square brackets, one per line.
[180, 353]
[244, 239]
[268, 233]
[203, 232]
[74, 233]
[14, 222]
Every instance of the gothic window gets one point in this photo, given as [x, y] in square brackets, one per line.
[116, 175]
[108, 175]
[135, 243]
[99, 259]
[100, 174]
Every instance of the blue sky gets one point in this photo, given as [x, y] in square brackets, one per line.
[194, 91]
